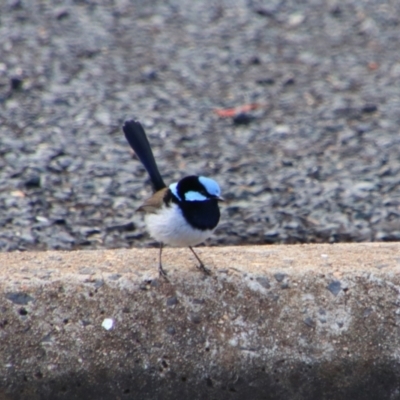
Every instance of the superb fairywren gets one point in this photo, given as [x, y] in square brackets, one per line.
[183, 214]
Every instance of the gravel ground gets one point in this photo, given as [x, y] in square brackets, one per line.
[316, 160]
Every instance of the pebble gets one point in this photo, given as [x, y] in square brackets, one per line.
[107, 324]
[242, 119]
[334, 287]
[279, 276]
[19, 298]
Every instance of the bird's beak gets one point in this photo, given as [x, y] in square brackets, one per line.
[219, 198]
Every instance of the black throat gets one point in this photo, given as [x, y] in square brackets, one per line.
[201, 215]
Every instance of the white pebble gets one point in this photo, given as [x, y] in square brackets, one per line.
[108, 323]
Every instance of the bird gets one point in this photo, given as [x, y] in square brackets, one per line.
[183, 214]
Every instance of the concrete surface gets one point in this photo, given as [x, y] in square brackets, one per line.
[276, 322]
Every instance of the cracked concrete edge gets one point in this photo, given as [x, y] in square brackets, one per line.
[272, 322]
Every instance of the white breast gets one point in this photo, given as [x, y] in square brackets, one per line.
[170, 227]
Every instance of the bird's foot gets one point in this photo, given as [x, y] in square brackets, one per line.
[163, 273]
[203, 268]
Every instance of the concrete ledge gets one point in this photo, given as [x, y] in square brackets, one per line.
[276, 322]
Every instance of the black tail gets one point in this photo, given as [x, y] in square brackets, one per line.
[137, 139]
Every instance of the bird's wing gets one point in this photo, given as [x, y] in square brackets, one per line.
[155, 202]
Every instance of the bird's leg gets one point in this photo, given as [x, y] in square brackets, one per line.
[201, 265]
[161, 270]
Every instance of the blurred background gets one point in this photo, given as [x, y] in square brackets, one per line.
[293, 107]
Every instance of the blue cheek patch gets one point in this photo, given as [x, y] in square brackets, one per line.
[194, 196]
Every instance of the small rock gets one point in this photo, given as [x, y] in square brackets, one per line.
[285, 285]
[128, 227]
[42, 220]
[271, 234]
[369, 108]
[20, 298]
[367, 312]
[265, 12]
[61, 14]
[279, 276]
[309, 322]
[32, 182]
[65, 237]
[27, 237]
[195, 318]
[295, 20]
[16, 83]
[289, 81]
[198, 301]
[336, 11]
[171, 330]
[347, 112]
[242, 119]
[107, 324]
[149, 74]
[263, 281]
[172, 301]
[98, 283]
[265, 81]
[255, 60]
[103, 117]
[334, 287]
